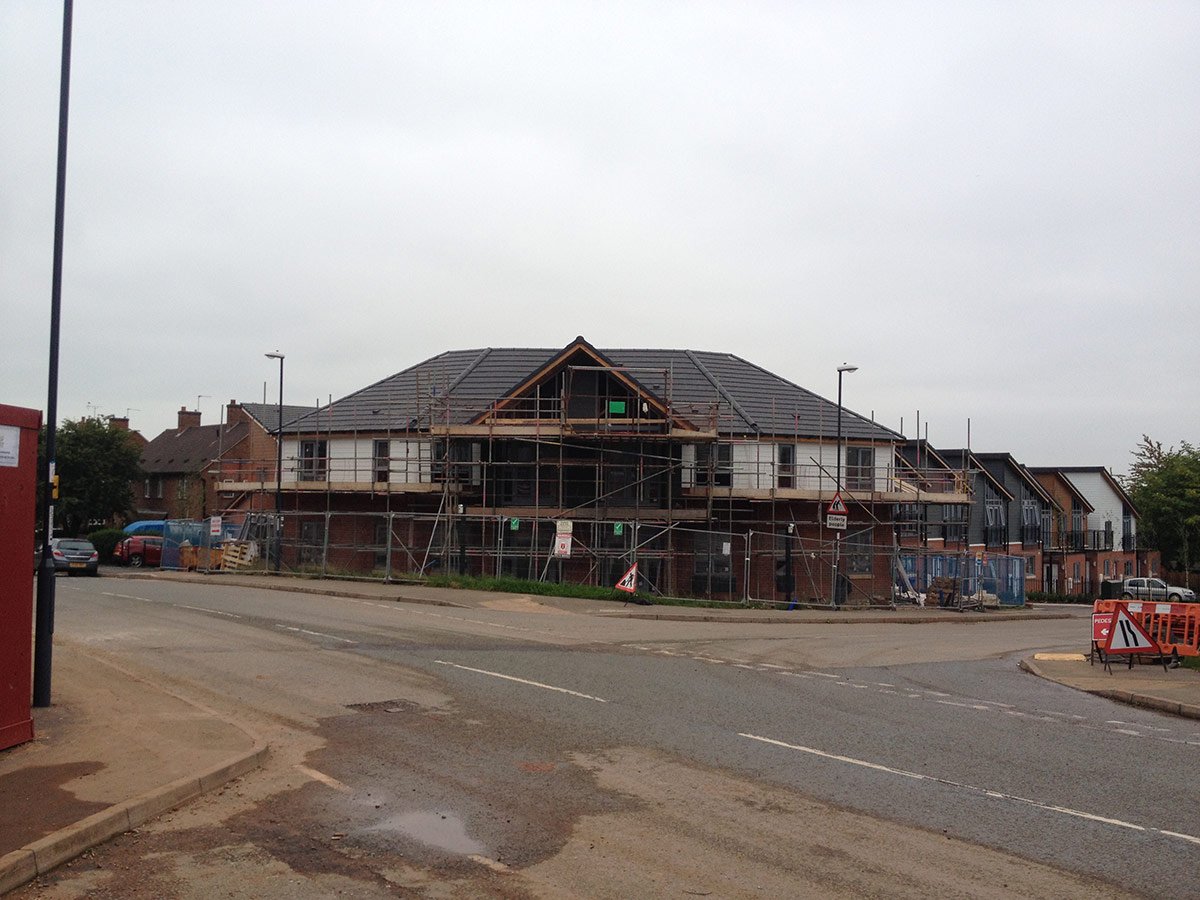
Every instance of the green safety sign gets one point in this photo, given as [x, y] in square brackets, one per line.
[514, 524]
[618, 528]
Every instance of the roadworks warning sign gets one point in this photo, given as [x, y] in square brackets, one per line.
[628, 582]
[1126, 635]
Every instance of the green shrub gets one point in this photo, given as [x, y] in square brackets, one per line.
[105, 541]
[522, 586]
[1042, 597]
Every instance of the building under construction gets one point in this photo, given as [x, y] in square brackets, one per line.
[711, 474]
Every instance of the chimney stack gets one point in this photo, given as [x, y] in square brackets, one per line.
[121, 422]
[188, 418]
[235, 413]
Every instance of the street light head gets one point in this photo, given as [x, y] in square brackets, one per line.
[275, 355]
[847, 368]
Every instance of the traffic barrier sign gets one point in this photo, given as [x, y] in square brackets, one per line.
[1116, 632]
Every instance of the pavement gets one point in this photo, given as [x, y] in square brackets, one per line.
[115, 750]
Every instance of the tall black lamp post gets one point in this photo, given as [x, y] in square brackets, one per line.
[43, 638]
[278, 468]
[837, 549]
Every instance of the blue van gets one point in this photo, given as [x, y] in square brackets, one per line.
[145, 526]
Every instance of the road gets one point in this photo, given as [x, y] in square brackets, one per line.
[518, 750]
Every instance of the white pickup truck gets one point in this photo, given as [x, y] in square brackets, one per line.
[1155, 589]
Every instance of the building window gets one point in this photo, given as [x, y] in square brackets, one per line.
[787, 465]
[314, 460]
[857, 552]
[312, 542]
[954, 522]
[1128, 568]
[381, 456]
[1075, 541]
[713, 564]
[908, 518]
[713, 465]
[381, 541]
[995, 532]
[860, 468]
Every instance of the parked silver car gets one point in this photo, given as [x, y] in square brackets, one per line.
[1155, 589]
[75, 556]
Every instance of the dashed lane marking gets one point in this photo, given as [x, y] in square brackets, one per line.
[126, 596]
[985, 792]
[215, 612]
[321, 634]
[548, 687]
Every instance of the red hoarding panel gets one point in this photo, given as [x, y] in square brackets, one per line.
[19, 429]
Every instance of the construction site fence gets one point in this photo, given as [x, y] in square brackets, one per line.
[1175, 627]
[673, 559]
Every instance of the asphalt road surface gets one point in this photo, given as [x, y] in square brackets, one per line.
[517, 750]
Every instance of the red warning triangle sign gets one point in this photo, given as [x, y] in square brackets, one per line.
[628, 582]
[836, 506]
[1126, 635]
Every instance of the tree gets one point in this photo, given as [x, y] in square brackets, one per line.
[97, 465]
[1165, 487]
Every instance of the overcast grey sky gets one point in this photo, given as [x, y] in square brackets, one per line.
[992, 208]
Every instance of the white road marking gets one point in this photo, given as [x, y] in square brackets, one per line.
[215, 612]
[126, 596]
[771, 666]
[548, 687]
[332, 637]
[325, 779]
[986, 792]
[709, 659]
[744, 666]
[978, 706]
[822, 674]
[1127, 731]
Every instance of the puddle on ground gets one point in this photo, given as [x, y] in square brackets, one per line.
[434, 829]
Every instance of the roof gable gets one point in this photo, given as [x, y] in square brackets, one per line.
[187, 450]
[712, 390]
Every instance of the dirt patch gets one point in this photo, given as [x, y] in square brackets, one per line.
[696, 832]
[42, 786]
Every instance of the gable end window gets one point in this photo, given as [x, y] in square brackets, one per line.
[860, 468]
[314, 460]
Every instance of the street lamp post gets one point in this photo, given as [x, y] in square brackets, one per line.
[837, 547]
[278, 468]
[43, 639]
[841, 370]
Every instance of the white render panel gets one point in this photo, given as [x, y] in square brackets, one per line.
[1100, 494]
[291, 449]
[353, 460]
[350, 459]
[688, 465]
[752, 465]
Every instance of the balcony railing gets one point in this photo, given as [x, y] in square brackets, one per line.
[995, 536]
[1031, 535]
[1129, 542]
